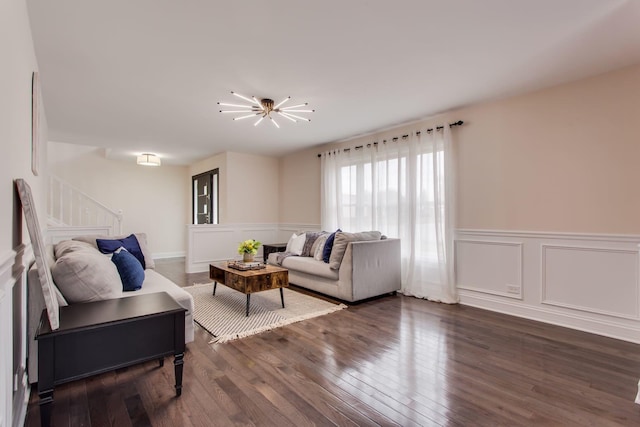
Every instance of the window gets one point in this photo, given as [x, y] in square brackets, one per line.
[205, 198]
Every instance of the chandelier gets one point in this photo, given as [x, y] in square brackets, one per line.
[263, 108]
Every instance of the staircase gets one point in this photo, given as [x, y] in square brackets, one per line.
[68, 206]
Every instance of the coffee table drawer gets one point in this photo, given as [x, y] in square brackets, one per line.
[257, 283]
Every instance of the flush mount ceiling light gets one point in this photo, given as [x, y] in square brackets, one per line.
[148, 160]
[263, 108]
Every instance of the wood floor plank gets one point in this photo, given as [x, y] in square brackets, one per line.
[388, 361]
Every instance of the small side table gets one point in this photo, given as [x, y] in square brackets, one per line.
[272, 247]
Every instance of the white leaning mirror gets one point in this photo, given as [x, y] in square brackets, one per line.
[37, 242]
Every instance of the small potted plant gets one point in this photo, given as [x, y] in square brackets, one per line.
[248, 249]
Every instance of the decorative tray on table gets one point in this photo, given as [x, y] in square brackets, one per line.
[244, 266]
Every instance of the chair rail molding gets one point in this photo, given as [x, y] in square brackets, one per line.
[589, 282]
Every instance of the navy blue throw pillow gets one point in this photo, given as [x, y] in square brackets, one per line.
[130, 271]
[326, 252]
[130, 243]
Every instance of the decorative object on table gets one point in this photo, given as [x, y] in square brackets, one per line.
[248, 249]
[245, 266]
[264, 107]
[37, 243]
[224, 317]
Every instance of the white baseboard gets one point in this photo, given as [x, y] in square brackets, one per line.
[165, 255]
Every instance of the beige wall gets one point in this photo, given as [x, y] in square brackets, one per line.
[17, 59]
[564, 159]
[300, 188]
[249, 186]
[18, 62]
[153, 199]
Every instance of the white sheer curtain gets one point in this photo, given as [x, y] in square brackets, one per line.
[405, 189]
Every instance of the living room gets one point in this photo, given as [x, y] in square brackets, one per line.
[547, 226]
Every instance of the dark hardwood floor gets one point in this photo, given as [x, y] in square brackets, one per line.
[390, 361]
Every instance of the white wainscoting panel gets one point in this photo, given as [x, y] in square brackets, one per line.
[57, 234]
[489, 267]
[6, 338]
[598, 280]
[14, 392]
[212, 242]
[589, 282]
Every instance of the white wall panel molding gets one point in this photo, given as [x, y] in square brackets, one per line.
[589, 282]
[489, 266]
[57, 234]
[215, 242]
[593, 279]
[631, 238]
[14, 393]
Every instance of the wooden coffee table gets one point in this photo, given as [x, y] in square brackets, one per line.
[249, 281]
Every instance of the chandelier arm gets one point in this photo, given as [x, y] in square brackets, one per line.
[297, 117]
[246, 117]
[295, 106]
[282, 102]
[274, 122]
[298, 111]
[259, 120]
[244, 97]
[235, 105]
[287, 117]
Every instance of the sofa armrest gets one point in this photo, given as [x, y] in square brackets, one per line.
[375, 268]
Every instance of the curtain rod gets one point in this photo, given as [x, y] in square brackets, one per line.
[395, 138]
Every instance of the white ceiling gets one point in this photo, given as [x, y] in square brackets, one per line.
[145, 75]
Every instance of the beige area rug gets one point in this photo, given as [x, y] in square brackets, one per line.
[223, 315]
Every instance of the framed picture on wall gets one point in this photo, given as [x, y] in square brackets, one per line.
[36, 131]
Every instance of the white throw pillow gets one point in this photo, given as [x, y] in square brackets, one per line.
[297, 244]
[290, 242]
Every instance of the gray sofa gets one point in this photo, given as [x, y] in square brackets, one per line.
[368, 269]
[153, 282]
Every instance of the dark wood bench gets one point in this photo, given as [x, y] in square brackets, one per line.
[101, 336]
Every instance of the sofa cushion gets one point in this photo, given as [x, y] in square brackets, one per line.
[318, 246]
[130, 243]
[67, 246]
[343, 239]
[86, 276]
[296, 243]
[142, 242]
[310, 266]
[155, 282]
[129, 268]
[311, 237]
[326, 252]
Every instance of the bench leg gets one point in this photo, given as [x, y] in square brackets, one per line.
[46, 402]
[178, 364]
